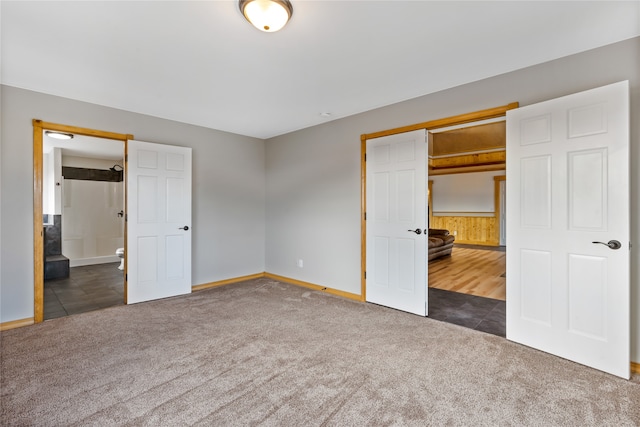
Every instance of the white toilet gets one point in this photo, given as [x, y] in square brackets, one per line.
[120, 254]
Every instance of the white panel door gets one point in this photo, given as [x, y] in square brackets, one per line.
[158, 249]
[567, 190]
[396, 267]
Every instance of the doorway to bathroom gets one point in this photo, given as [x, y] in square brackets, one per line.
[83, 220]
[79, 205]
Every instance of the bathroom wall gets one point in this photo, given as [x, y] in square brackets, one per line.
[51, 176]
[91, 227]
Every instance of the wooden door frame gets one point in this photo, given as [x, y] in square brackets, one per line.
[38, 245]
[496, 194]
[430, 125]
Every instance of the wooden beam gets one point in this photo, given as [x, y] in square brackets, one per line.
[468, 169]
[470, 159]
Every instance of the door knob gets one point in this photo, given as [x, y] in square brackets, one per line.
[185, 228]
[613, 244]
[417, 231]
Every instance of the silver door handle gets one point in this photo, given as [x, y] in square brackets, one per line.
[613, 244]
[185, 228]
[417, 231]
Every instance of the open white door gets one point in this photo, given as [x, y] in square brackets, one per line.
[396, 267]
[567, 190]
[158, 249]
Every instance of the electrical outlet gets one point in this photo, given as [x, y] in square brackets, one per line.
[455, 232]
[300, 263]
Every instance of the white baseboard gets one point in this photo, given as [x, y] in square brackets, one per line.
[93, 260]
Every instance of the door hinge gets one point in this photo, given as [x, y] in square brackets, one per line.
[126, 157]
[365, 216]
[126, 217]
[365, 275]
[365, 157]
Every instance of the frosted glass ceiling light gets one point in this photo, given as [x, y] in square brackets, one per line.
[58, 135]
[267, 15]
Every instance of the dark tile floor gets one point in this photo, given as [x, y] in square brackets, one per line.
[482, 314]
[87, 288]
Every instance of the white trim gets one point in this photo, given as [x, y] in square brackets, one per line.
[93, 260]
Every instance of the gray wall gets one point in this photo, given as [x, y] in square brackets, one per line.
[313, 175]
[228, 190]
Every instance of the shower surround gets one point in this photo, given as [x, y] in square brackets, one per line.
[92, 228]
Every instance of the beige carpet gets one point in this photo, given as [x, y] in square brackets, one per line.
[267, 353]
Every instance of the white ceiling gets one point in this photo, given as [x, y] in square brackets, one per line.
[200, 62]
[86, 146]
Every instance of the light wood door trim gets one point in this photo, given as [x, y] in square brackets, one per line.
[496, 201]
[363, 217]
[448, 121]
[38, 228]
[433, 124]
[38, 245]
[467, 169]
[477, 159]
[430, 204]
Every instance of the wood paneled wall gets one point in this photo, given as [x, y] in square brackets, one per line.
[470, 229]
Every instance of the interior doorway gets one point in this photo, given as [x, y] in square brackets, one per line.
[467, 282]
[83, 216]
[39, 127]
[492, 161]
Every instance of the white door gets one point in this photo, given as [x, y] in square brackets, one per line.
[567, 189]
[158, 249]
[396, 266]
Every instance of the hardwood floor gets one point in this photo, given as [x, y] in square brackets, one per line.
[473, 271]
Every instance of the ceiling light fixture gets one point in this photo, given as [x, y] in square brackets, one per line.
[267, 15]
[58, 135]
